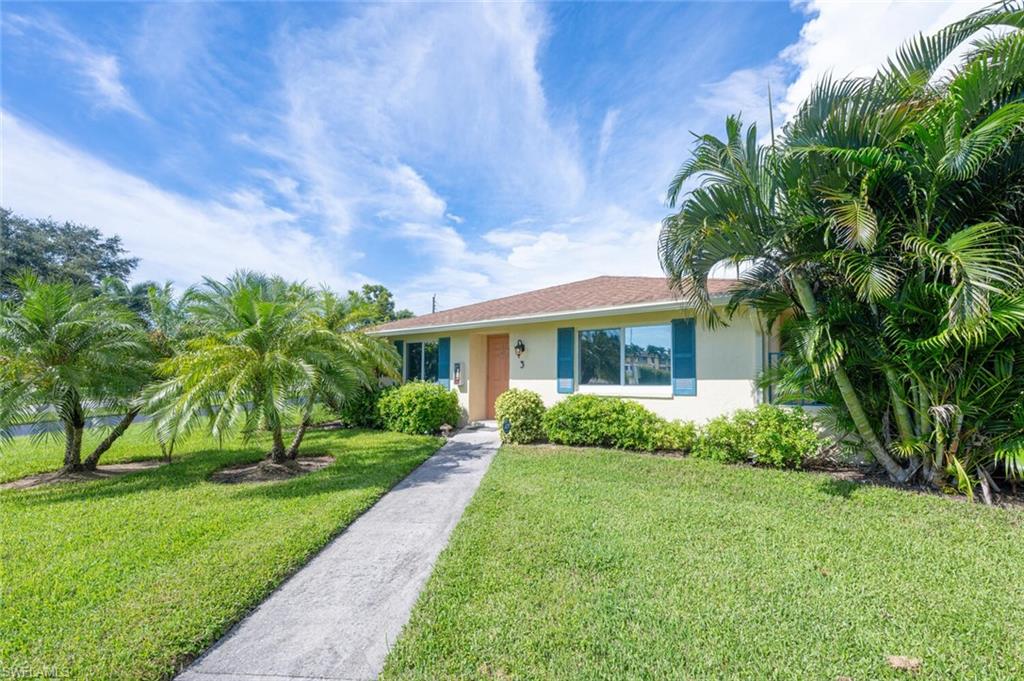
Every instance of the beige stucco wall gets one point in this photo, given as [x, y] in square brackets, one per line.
[729, 360]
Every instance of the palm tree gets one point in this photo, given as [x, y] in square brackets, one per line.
[62, 349]
[260, 345]
[354, 361]
[168, 322]
[135, 297]
[880, 193]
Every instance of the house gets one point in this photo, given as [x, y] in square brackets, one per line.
[624, 336]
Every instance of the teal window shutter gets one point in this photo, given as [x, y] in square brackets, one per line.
[565, 360]
[684, 356]
[444, 361]
[400, 349]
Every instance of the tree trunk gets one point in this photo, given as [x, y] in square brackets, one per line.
[167, 449]
[850, 398]
[867, 433]
[300, 432]
[72, 446]
[904, 423]
[277, 452]
[118, 431]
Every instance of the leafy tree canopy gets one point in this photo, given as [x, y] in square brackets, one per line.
[374, 304]
[58, 251]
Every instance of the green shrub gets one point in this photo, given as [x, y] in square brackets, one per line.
[783, 438]
[524, 410]
[418, 408]
[768, 435]
[593, 421]
[360, 410]
[677, 436]
[723, 439]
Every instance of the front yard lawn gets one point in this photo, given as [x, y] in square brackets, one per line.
[599, 564]
[124, 578]
[32, 454]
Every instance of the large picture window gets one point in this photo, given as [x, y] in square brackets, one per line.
[648, 355]
[634, 355]
[421, 362]
[601, 357]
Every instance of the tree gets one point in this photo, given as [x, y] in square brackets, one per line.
[374, 304]
[356, 362]
[134, 296]
[55, 251]
[260, 344]
[63, 350]
[885, 228]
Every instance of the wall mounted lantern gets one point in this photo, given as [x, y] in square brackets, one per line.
[520, 348]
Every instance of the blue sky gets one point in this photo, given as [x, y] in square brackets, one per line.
[467, 151]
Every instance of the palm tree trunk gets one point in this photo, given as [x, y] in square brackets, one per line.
[72, 446]
[74, 425]
[300, 432]
[850, 398]
[167, 449]
[899, 405]
[277, 452]
[118, 431]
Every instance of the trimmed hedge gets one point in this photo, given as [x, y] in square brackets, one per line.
[524, 410]
[593, 421]
[418, 408]
[768, 435]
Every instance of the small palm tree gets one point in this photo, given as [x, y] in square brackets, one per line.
[260, 345]
[64, 350]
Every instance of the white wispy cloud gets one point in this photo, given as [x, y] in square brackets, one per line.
[611, 117]
[747, 92]
[100, 71]
[838, 39]
[386, 117]
[384, 99]
[451, 89]
[856, 38]
[176, 237]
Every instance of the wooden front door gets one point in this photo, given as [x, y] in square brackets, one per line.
[497, 370]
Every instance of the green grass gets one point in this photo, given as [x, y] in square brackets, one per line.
[126, 578]
[31, 455]
[597, 564]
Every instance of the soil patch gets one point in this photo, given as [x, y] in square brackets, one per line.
[267, 471]
[102, 472]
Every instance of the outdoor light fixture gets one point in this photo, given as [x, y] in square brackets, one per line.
[520, 348]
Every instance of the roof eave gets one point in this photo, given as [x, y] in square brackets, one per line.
[547, 317]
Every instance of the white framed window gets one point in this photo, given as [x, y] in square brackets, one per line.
[421, 361]
[626, 356]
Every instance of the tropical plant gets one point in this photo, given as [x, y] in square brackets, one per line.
[883, 228]
[64, 351]
[133, 296]
[260, 345]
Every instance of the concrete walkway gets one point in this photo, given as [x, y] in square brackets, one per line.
[338, 616]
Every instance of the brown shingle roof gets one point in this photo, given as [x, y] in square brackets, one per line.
[596, 293]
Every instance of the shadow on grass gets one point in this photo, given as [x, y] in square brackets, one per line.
[839, 488]
[369, 461]
[379, 462]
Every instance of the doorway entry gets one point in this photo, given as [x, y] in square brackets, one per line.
[497, 370]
